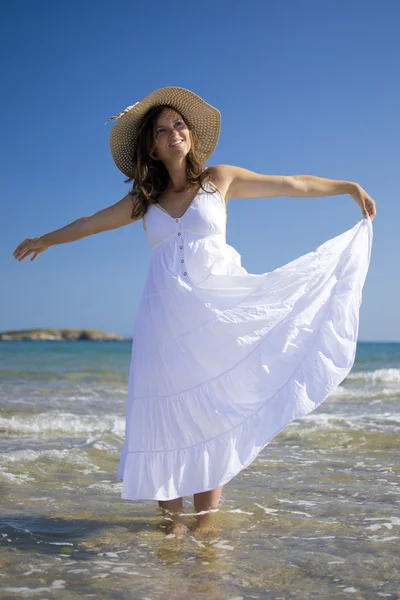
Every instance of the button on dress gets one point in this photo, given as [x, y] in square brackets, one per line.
[222, 359]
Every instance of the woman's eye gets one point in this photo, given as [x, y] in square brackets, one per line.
[162, 129]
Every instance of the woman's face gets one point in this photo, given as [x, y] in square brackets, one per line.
[172, 136]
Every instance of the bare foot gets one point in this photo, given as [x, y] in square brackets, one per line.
[204, 524]
[203, 528]
[176, 528]
[180, 530]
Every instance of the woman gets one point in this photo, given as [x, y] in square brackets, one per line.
[222, 360]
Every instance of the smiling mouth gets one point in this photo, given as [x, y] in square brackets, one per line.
[176, 143]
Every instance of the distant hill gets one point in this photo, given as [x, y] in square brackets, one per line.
[60, 334]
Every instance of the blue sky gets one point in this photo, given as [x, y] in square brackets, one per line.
[304, 87]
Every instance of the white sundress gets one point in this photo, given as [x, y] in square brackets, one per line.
[223, 360]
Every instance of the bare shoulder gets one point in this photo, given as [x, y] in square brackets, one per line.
[226, 178]
[238, 182]
[222, 175]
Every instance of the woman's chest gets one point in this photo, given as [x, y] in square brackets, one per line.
[205, 216]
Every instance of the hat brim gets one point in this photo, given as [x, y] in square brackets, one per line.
[198, 114]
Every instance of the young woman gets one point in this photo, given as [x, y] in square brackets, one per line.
[222, 360]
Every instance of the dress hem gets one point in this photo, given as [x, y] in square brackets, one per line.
[169, 474]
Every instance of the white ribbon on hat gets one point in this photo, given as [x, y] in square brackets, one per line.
[119, 115]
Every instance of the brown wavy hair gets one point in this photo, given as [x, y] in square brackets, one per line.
[150, 175]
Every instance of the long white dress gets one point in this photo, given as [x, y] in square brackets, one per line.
[223, 360]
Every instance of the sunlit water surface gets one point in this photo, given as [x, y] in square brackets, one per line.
[316, 515]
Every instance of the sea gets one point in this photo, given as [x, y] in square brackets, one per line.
[316, 515]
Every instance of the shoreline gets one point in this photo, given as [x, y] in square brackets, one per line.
[63, 335]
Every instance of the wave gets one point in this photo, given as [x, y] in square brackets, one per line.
[66, 423]
[365, 393]
[13, 463]
[379, 375]
[343, 421]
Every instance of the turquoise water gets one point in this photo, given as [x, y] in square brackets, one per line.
[316, 515]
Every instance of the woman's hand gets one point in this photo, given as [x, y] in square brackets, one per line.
[364, 201]
[30, 245]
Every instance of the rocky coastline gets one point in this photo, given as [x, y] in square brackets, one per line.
[71, 335]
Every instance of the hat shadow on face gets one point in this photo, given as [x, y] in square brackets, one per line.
[166, 116]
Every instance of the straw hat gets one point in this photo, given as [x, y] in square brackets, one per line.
[198, 114]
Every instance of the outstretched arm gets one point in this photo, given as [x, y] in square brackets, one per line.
[112, 217]
[242, 183]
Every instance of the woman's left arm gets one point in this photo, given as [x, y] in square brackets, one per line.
[242, 183]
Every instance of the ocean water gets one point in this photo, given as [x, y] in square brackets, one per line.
[316, 515]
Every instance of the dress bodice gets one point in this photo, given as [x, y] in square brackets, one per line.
[205, 216]
[190, 249]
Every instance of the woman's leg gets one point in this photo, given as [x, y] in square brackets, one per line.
[207, 500]
[172, 509]
[204, 501]
[174, 505]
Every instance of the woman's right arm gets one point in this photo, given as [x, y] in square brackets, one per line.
[112, 217]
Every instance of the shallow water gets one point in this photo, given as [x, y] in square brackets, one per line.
[316, 515]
